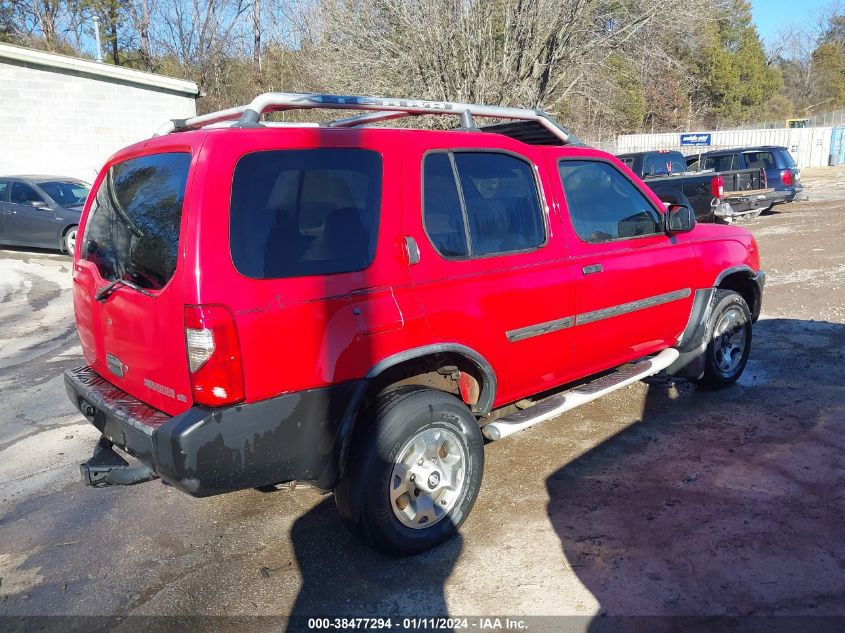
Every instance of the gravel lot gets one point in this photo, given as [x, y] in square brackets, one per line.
[659, 499]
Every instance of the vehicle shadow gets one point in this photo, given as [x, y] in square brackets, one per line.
[31, 250]
[342, 577]
[720, 503]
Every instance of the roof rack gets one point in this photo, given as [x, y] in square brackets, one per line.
[377, 109]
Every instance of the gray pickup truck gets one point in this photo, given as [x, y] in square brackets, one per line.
[715, 196]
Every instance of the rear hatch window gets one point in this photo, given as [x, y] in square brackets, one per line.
[133, 227]
[305, 212]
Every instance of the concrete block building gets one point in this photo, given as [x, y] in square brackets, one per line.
[65, 116]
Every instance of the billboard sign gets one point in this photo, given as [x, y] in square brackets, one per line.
[695, 139]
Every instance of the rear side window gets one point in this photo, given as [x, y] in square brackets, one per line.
[444, 218]
[603, 204]
[760, 160]
[721, 163]
[481, 203]
[133, 227]
[3, 186]
[305, 212]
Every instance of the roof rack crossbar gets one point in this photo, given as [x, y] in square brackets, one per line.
[363, 119]
[379, 109]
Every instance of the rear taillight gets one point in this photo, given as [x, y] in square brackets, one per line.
[717, 187]
[214, 356]
[786, 177]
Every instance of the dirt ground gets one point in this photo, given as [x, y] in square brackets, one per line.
[658, 500]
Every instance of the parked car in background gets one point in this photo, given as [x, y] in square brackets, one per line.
[782, 173]
[41, 211]
[359, 307]
[720, 195]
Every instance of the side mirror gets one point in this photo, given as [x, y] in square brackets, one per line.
[680, 218]
[40, 204]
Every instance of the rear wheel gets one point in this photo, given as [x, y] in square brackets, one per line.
[729, 340]
[414, 471]
[69, 240]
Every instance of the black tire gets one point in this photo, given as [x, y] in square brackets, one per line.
[69, 240]
[718, 372]
[363, 493]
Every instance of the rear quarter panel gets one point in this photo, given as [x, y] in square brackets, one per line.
[304, 332]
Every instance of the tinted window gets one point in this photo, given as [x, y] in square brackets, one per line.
[663, 164]
[66, 193]
[133, 228]
[444, 221]
[22, 193]
[305, 212]
[721, 163]
[603, 204]
[760, 160]
[2, 191]
[784, 159]
[498, 204]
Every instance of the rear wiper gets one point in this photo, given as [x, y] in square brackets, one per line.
[104, 292]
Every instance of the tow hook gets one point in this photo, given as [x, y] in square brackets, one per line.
[87, 410]
[107, 468]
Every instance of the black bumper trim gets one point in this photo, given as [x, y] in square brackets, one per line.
[294, 436]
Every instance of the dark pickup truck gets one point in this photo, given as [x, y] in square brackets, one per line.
[781, 171]
[715, 196]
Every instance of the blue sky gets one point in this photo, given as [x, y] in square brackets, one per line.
[771, 15]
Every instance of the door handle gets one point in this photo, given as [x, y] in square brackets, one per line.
[592, 269]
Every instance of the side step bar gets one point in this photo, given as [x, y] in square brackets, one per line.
[582, 394]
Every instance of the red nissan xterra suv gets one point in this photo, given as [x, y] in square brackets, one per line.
[359, 307]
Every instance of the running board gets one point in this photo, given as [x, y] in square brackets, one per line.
[582, 394]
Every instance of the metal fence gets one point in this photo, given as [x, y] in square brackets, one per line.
[810, 147]
[822, 119]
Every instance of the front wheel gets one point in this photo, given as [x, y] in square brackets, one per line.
[414, 471]
[69, 240]
[729, 340]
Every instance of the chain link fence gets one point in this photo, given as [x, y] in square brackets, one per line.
[833, 118]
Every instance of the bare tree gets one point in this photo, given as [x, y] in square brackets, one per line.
[529, 53]
[35, 18]
[198, 35]
[256, 41]
[139, 14]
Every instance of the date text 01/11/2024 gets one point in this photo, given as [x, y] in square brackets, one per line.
[418, 623]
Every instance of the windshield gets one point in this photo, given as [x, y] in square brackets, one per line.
[66, 192]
